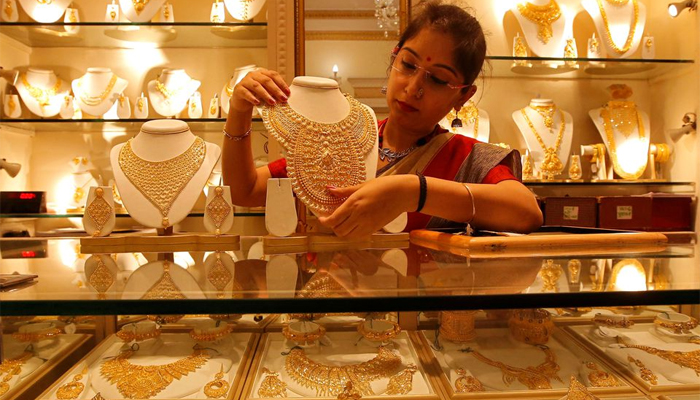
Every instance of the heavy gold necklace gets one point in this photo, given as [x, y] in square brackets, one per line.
[547, 114]
[551, 164]
[329, 380]
[621, 115]
[469, 113]
[96, 100]
[42, 96]
[144, 382]
[690, 359]
[633, 28]
[168, 93]
[543, 16]
[162, 181]
[321, 155]
[164, 288]
[139, 5]
[537, 377]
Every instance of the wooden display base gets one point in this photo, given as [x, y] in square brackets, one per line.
[153, 243]
[326, 242]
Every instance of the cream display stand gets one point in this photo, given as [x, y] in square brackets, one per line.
[244, 10]
[227, 91]
[177, 88]
[619, 23]
[44, 81]
[562, 29]
[95, 92]
[46, 11]
[536, 150]
[149, 9]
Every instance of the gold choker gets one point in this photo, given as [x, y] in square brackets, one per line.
[542, 16]
[42, 96]
[368, 333]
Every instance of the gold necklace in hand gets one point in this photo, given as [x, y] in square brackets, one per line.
[551, 164]
[537, 377]
[42, 96]
[633, 28]
[543, 16]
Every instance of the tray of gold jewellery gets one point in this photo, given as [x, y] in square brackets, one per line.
[660, 356]
[528, 359]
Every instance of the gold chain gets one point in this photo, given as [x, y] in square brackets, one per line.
[139, 5]
[164, 288]
[138, 381]
[329, 380]
[99, 211]
[43, 96]
[609, 122]
[551, 164]
[533, 377]
[632, 30]
[543, 16]
[162, 181]
[690, 359]
[321, 155]
[95, 100]
[168, 93]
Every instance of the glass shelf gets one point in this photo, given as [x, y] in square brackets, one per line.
[357, 279]
[90, 125]
[138, 35]
[255, 213]
[583, 68]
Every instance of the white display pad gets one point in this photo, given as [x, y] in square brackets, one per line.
[40, 91]
[244, 10]
[179, 87]
[280, 210]
[140, 10]
[149, 274]
[98, 90]
[45, 10]
[562, 29]
[341, 348]
[161, 140]
[227, 91]
[620, 20]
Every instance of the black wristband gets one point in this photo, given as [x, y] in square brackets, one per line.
[423, 191]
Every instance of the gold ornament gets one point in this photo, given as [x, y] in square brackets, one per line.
[212, 111]
[101, 279]
[138, 381]
[467, 383]
[547, 114]
[73, 17]
[600, 378]
[551, 165]
[166, 11]
[98, 396]
[42, 96]
[630, 36]
[690, 359]
[44, 2]
[162, 181]
[322, 285]
[575, 172]
[164, 288]
[550, 274]
[329, 380]
[535, 378]
[219, 276]
[528, 171]
[379, 336]
[321, 155]
[168, 93]
[139, 103]
[645, 373]
[648, 43]
[139, 5]
[218, 209]
[349, 393]
[468, 113]
[96, 100]
[402, 383]
[72, 390]
[11, 104]
[128, 336]
[229, 89]
[37, 336]
[601, 319]
[570, 49]
[8, 8]
[519, 49]
[678, 328]
[457, 326]
[578, 391]
[593, 45]
[218, 387]
[623, 116]
[246, 4]
[204, 336]
[113, 14]
[5, 383]
[531, 326]
[304, 337]
[543, 16]
[11, 364]
[617, 2]
[272, 385]
[99, 211]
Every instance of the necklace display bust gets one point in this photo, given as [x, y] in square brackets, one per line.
[169, 93]
[140, 10]
[42, 91]
[98, 90]
[620, 27]
[45, 10]
[227, 90]
[160, 173]
[545, 39]
[244, 10]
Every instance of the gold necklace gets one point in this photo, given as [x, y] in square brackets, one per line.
[320, 154]
[96, 100]
[543, 16]
[632, 30]
[101, 279]
[139, 5]
[690, 359]
[577, 391]
[11, 363]
[329, 380]
[42, 96]
[644, 372]
[322, 286]
[144, 382]
[551, 164]
[547, 114]
[168, 93]
[469, 113]
[164, 288]
[534, 378]
[619, 113]
[72, 389]
[162, 181]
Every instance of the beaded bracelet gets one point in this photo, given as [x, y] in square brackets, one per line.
[239, 137]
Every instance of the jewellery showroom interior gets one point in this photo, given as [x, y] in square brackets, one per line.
[127, 272]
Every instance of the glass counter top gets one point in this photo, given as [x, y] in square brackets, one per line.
[404, 278]
[39, 125]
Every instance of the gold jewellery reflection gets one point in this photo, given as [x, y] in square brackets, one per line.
[272, 385]
[303, 332]
[377, 334]
[218, 387]
[37, 335]
[219, 276]
[577, 391]
[467, 383]
[72, 389]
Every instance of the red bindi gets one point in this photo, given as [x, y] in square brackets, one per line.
[429, 59]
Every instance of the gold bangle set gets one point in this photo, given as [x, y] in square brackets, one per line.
[379, 336]
[37, 336]
[532, 326]
[209, 336]
[303, 337]
[457, 326]
[128, 336]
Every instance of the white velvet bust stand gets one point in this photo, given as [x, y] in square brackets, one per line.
[633, 151]
[467, 129]
[244, 10]
[619, 20]
[161, 140]
[51, 12]
[94, 83]
[536, 150]
[173, 79]
[562, 29]
[44, 79]
[149, 10]
[238, 74]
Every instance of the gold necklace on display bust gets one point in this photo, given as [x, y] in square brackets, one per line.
[551, 165]
[633, 27]
[96, 100]
[42, 96]
[542, 16]
[623, 117]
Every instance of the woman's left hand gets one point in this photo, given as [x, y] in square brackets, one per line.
[371, 205]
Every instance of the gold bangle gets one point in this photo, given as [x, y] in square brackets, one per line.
[531, 326]
[379, 336]
[37, 336]
[131, 335]
[677, 327]
[614, 321]
[457, 326]
[209, 336]
[305, 337]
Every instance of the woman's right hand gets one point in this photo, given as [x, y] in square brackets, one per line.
[261, 85]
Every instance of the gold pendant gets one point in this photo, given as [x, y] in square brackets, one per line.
[578, 391]
[139, 103]
[218, 387]
[166, 11]
[72, 390]
[218, 209]
[113, 14]
[646, 374]
[272, 385]
[8, 8]
[164, 288]
[99, 211]
[101, 279]
[219, 276]
[139, 5]
[600, 378]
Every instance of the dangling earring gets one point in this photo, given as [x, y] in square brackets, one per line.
[383, 90]
[457, 123]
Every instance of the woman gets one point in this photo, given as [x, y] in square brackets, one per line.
[448, 178]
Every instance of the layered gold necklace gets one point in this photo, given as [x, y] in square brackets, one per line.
[537, 377]
[96, 100]
[329, 380]
[551, 164]
[542, 16]
[42, 96]
[633, 28]
[139, 5]
[623, 117]
[144, 382]
[469, 113]
[321, 155]
[168, 93]
[162, 181]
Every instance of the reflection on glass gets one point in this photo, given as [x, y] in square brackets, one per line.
[627, 275]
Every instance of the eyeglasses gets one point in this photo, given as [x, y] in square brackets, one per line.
[408, 68]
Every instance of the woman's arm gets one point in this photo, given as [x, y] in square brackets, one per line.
[248, 184]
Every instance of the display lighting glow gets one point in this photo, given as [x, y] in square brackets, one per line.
[631, 155]
[674, 9]
[68, 251]
[184, 259]
[628, 275]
